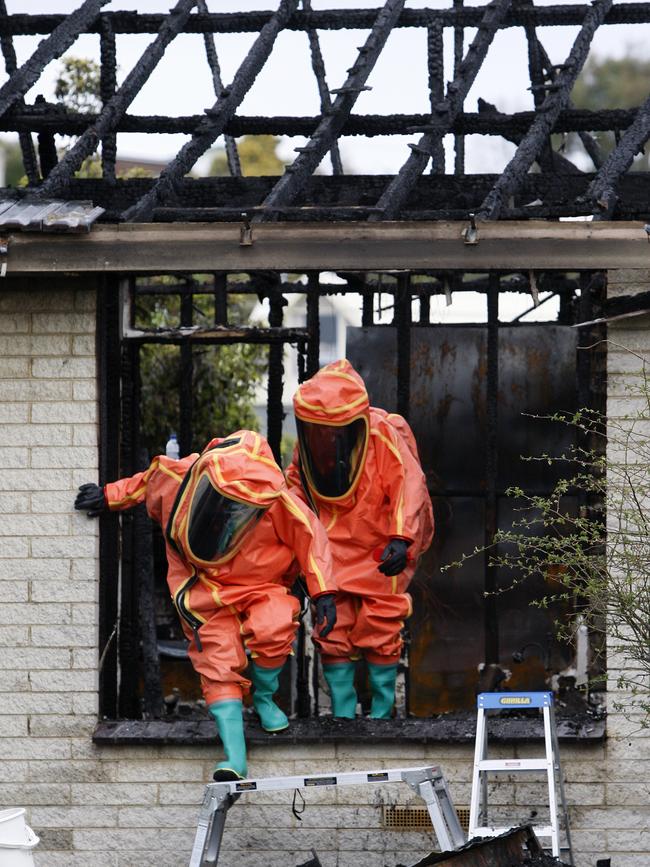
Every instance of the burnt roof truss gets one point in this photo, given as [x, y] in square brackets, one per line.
[560, 188]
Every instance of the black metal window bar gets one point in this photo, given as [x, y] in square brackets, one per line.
[131, 565]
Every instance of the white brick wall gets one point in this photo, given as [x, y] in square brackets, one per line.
[113, 807]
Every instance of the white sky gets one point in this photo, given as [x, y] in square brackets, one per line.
[181, 85]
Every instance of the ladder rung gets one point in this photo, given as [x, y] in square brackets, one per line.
[513, 765]
[540, 831]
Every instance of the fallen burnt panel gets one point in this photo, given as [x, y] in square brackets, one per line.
[518, 846]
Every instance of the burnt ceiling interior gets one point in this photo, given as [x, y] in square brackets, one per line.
[538, 181]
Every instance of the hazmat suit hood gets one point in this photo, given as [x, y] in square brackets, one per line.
[225, 492]
[333, 420]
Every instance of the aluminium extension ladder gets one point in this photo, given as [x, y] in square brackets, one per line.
[549, 764]
[428, 782]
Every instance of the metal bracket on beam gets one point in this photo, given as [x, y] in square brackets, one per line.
[246, 232]
[470, 233]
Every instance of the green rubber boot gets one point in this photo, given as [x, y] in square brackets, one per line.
[230, 723]
[340, 679]
[265, 681]
[382, 687]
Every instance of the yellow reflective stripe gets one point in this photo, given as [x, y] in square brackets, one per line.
[391, 446]
[133, 496]
[255, 495]
[171, 473]
[399, 512]
[317, 573]
[333, 520]
[212, 590]
[394, 584]
[291, 506]
[333, 410]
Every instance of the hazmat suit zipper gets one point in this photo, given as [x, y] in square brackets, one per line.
[188, 616]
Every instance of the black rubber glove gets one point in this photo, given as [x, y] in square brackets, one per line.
[91, 499]
[325, 610]
[394, 557]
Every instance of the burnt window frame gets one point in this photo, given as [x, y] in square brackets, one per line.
[119, 601]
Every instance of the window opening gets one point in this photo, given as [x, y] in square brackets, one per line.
[186, 343]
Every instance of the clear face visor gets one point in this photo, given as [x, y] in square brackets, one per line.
[332, 456]
[216, 524]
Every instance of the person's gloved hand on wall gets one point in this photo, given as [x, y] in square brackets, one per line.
[91, 499]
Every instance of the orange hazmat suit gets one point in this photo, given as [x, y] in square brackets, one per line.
[233, 532]
[365, 482]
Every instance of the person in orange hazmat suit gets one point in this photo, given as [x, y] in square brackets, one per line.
[357, 466]
[232, 532]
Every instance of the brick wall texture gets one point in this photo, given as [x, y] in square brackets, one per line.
[104, 807]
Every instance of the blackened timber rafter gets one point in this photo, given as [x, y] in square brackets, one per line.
[56, 119]
[602, 189]
[217, 117]
[546, 116]
[337, 19]
[327, 131]
[25, 138]
[107, 88]
[395, 194]
[318, 66]
[459, 140]
[589, 142]
[436, 69]
[118, 104]
[232, 154]
[537, 85]
[56, 43]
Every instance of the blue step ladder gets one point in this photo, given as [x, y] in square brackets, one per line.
[548, 764]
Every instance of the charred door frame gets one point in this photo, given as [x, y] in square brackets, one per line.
[118, 346]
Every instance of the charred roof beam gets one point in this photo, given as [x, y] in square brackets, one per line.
[25, 138]
[232, 154]
[318, 66]
[56, 119]
[537, 82]
[327, 131]
[444, 114]
[547, 115]
[436, 69]
[111, 113]
[213, 125]
[56, 43]
[588, 141]
[124, 21]
[602, 189]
